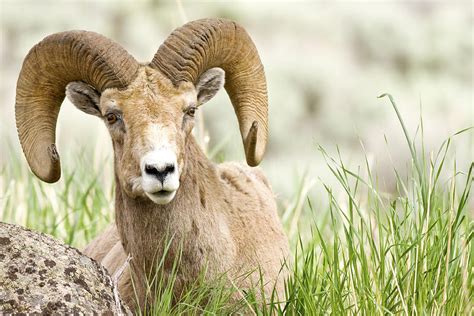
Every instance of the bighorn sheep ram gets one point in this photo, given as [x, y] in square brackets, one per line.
[224, 217]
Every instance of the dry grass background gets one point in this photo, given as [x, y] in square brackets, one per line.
[325, 64]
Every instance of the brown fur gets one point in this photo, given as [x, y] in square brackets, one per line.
[223, 217]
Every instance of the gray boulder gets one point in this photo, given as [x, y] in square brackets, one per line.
[39, 274]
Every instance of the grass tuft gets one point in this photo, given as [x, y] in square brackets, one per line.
[365, 252]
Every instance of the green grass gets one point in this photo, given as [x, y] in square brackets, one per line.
[365, 252]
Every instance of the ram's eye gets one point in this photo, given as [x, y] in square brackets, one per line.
[191, 111]
[111, 118]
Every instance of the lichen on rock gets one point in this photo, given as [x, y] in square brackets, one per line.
[39, 274]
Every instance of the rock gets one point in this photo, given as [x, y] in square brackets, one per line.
[39, 274]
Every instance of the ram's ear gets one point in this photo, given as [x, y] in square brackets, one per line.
[84, 97]
[209, 83]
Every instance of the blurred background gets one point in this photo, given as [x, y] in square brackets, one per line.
[326, 63]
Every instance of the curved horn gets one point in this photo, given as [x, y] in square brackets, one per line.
[47, 69]
[199, 45]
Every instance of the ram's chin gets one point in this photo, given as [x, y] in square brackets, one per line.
[161, 197]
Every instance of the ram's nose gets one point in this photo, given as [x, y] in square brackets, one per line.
[160, 171]
[160, 175]
[159, 164]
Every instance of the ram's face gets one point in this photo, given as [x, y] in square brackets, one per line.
[149, 123]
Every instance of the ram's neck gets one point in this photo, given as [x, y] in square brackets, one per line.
[193, 219]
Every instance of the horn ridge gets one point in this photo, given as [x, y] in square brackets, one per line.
[202, 44]
[48, 67]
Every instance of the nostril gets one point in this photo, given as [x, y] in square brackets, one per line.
[150, 169]
[169, 169]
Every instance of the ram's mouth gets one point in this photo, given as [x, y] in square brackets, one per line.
[162, 193]
[161, 197]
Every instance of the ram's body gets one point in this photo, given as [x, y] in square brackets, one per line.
[226, 220]
[220, 218]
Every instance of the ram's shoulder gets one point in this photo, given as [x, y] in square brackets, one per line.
[235, 171]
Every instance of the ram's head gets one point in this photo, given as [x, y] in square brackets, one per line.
[148, 109]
